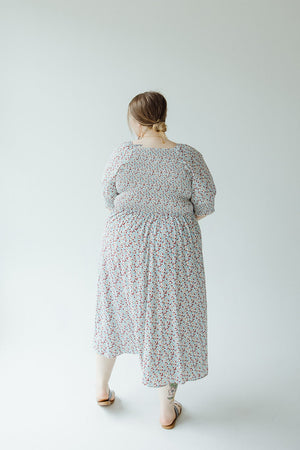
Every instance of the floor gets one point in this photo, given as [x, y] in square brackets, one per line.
[47, 401]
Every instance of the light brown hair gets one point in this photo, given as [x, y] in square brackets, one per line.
[149, 109]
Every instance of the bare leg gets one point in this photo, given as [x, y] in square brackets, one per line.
[166, 396]
[104, 368]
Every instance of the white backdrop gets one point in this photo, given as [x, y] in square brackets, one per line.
[230, 73]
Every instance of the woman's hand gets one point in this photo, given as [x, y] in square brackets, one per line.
[200, 217]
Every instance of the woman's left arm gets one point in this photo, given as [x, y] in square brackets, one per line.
[203, 186]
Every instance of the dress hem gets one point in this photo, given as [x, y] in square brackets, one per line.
[181, 381]
[162, 383]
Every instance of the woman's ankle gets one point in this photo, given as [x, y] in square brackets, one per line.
[102, 387]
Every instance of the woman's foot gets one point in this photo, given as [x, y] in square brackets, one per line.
[102, 394]
[167, 417]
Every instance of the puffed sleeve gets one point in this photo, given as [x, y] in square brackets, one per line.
[203, 186]
[108, 179]
[119, 156]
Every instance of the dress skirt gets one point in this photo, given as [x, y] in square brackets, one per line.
[151, 295]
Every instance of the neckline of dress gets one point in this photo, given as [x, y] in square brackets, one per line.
[155, 148]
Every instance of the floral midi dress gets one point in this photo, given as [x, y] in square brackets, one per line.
[151, 291]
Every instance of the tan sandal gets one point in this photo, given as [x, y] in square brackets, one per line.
[178, 409]
[108, 400]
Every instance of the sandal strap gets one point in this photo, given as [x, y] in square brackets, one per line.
[176, 410]
[108, 398]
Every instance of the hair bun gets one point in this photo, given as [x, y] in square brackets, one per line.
[159, 126]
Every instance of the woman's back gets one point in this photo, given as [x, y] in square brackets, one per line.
[173, 180]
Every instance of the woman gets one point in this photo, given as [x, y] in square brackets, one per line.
[151, 297]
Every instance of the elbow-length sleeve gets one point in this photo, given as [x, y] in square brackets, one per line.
[118, 157]
[108, 179]
[203, 186]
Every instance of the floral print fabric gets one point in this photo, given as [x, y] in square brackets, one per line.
[151, 291]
